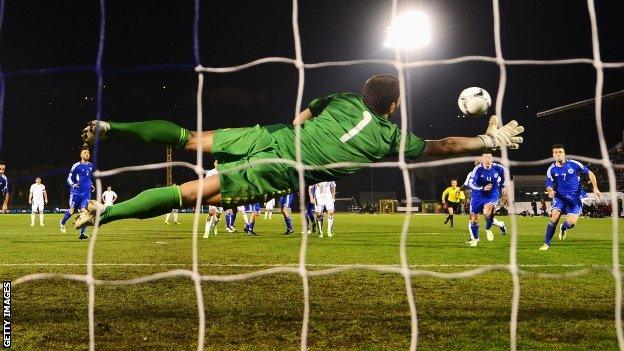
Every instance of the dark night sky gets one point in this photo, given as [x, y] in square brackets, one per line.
[43, 113]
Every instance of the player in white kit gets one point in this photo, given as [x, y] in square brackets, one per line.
[214, 212]
[37, 198]
[323, 199]
[268, 208]
[109, 197]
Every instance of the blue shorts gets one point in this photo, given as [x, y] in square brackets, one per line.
[568, 205]
[286, 200]
[252, 208]
[478, 202]
[79, 201]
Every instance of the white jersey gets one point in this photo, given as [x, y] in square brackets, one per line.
[37, 191]
[108, 197]
[323, 191]
[270, 205]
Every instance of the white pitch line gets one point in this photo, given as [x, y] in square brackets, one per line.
[287, 265]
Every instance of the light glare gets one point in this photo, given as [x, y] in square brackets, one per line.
[410, 30]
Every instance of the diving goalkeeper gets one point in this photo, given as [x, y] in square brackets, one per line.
[343, 127]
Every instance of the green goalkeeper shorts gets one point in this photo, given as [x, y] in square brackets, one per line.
[236, 149]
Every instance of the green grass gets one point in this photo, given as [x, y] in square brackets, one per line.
[352, 310]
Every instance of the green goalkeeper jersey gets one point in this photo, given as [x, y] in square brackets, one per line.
[344, 129]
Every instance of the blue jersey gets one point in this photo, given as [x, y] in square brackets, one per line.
[480, 177]
[4, 185]
[565, 180]
[80, 174]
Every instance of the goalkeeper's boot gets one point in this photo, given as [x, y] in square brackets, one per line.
[62, 227]
[87, 215]
[99, 128]
[83, 237]
[490, 235]
[503, 229]
[544, 247]
[562, 233]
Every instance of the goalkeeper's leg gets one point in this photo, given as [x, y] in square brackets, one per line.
[155, 131]
[154, 202]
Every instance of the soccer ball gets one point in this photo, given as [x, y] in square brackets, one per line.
[474, 101]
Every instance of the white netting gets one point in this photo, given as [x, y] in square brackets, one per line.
[404, 269]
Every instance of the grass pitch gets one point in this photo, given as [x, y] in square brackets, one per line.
[352, 310]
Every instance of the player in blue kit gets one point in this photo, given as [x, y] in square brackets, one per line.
[285, 203]
[487, 181]
[81, 187]
[563, 183]
[4, 188]
[254, 210]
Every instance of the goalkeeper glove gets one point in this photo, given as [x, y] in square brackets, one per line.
[506, 135]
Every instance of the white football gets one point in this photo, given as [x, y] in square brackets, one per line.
[474, 101]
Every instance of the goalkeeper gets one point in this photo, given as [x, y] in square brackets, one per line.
[343, 127]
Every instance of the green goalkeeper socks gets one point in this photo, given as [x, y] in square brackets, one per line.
[149, 203]
[155, 131]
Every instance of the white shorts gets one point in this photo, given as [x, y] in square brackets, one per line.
[269, 207]
[37, 206]
[216, 208]
[327, 204]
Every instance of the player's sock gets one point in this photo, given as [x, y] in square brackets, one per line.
[245, 218]
[270, 215]
[167, 218]
[565, 226]
[330, 224]
[550, 232]
[209, 224]
[32, 219]
[320, 222]
[448, 217]
[41, 218]
[149, 203]
[175, 217]
[451, 217]
[498, 223]
[155, 131]
[233, 219]
[65, 217]
[474, 230]
[83, 230]
[488, 221]
[288, 222]
[229, 222]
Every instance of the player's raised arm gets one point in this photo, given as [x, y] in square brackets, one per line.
[493, 138]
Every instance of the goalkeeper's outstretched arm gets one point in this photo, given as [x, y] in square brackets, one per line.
[303, 116]
[493, 138]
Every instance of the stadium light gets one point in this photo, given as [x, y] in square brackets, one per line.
[409, 30]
